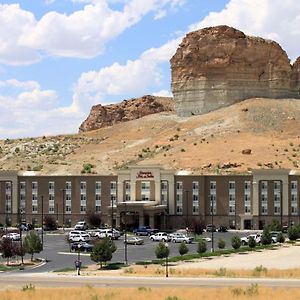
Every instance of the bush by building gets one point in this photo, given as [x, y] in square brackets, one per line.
[236, 242]
[202, 247]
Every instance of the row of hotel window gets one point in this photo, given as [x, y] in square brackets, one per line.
[145, 196]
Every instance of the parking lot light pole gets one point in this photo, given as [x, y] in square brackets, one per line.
[21, 241]
[212, 224]
[63, 209]
[78, 259]
[126, 259]
[167, 271]
[42, 198]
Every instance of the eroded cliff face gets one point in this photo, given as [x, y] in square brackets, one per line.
[103, 116]
[218, 66]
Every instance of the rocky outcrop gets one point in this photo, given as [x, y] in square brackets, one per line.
[218, 66]
[103, 116]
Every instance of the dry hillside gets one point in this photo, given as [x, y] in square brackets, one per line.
[210, 143]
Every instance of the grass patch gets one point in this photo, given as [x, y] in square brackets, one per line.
[63, 270]
[114, 266]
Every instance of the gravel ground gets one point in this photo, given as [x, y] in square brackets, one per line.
[285, 257]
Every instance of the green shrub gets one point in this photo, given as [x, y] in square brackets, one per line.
[183, 248]
[236, 242]
[202, 247]
[221, 244]
[293, 233]
[266, 238]
[252, 242]
[162, 251]
[275, 225]
[280, 238]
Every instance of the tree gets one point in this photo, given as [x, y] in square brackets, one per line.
[221, 244]
[251, 242]
[202, 246]
[94, 220]
[293, 233]
[275, 225]
[280, 238]
[198, 226]
[162, 251]
[266, 237]
[7, 249]
[236, 242]
[49, 223]
[32, 244]
[103, 251]
[183, 248]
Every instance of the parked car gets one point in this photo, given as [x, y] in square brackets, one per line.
[111, 233]
[12, 235]
[134, 240]
[180, 237]
[79, 236]
[144, 230]
[222, 228]
[274, 235]
[84, 246]
[256, 236]
[210, 228]
[285, 228]
[81, 225]
[207, 239]
[25, 226]
[160, 237]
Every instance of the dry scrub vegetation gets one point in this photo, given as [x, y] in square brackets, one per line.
[142, 293]
[212, 143]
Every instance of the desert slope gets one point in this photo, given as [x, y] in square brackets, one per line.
[211, 143]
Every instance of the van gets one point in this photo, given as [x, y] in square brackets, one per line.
[81, 225]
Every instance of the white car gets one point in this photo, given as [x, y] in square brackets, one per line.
[256, 236]
[113, 234]
[79, 236]
[81, 225]
[12, 235]
[180, 237]
[160, 237]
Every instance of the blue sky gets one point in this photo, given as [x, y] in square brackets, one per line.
[60, 57]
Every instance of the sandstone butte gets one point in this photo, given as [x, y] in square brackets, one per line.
[218, 66]
[135, 108]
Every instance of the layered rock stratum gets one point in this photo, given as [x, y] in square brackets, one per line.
[135, 108]
[218, 66]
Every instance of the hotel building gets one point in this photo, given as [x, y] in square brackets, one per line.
[151, 195]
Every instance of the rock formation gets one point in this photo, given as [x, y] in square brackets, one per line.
[218, 66]
[103, 116]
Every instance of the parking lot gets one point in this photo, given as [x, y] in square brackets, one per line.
[57, 251]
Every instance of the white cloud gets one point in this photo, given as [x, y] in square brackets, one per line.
[274, 19]
[31, 111]
[134, 78]
[163, 93]
[82, 34]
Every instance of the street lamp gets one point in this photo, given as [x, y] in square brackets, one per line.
[42, 197]
[21, 240]
[125, 221]
[187, 209]
[167, 254]
[112, 217]
[63, 209]
[78, 259]
[212, 222]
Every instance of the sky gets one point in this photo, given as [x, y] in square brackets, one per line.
[60, 57]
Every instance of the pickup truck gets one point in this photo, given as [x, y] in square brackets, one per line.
[160, 237]
[144, 230]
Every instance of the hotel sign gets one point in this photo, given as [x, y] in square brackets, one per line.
[144, 174]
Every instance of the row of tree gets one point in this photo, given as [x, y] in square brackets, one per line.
[32, 244]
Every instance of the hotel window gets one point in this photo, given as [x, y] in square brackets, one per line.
[247, 197]
[23, 196]
[98, 196]
[264, 198]
[113, 192]
[145, 190]
[82, 197]
[231, 196]
[277, 197]
[68, 202]
[213, 197]
[51, 196]
[164, 192]
[294, 197]
[195, 197]
[34, 191]
[264, 185]
[127, 191]
[8, 193]
[179, 197]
